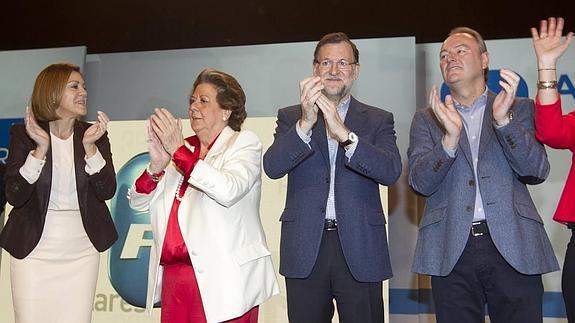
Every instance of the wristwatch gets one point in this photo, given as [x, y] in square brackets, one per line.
[351, 139]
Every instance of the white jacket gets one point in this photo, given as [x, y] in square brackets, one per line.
[219, 220]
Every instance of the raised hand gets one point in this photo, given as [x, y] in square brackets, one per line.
[168, 130]
[506, 96]
[39, 135]
[548, 42]
[310, 90]
[95, 132]
[449, 118]
[159, 158]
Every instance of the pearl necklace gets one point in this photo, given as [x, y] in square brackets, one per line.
[178, 197]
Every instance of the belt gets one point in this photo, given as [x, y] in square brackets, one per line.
[330, 225]
[479, 228]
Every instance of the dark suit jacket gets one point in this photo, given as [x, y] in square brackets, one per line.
[361, 222]
[26, 220]
[2, 194]
[509, 158]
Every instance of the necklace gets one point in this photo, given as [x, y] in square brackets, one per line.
[178, 196]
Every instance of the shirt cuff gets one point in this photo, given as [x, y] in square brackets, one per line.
[450, 152]
[95, 163]
[185, 160]
[144, 184]
[497, 126]
[32, 168]
[349, 151]
[302, 135]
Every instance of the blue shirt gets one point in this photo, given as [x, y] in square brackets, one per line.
[472, 118]
[332, 146]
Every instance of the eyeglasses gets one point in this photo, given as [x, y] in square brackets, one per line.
[342, 64]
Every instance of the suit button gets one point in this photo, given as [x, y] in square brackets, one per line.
[471, 182]
[322, 210]
[327, 180]
[468, 208]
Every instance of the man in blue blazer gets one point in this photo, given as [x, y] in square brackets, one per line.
[336, 152]
[481, 238]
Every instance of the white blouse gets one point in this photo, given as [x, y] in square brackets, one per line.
[63, 195]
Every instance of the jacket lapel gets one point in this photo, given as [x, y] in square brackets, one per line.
[354, 119]
[319, 138]
[45, 181]
[465, 148]
[221, 143]
[79, 165]
[487, 126]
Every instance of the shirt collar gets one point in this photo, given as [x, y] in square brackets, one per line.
[344, 105]
[480, 102]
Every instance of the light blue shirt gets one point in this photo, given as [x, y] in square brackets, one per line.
[472, 117]
[332, 146]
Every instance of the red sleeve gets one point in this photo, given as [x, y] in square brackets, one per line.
[145, 184]
[552, 128]
[185, 160]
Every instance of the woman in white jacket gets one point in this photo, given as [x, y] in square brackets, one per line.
[209, 261]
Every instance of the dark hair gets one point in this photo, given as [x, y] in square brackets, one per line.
[48, 90]
[478, 39]
[336, 38]
[230, 95]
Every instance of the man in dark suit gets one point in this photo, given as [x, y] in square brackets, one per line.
[336, 152]
[481, 238]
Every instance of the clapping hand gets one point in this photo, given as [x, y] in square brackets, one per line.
[504, 100]
[449, 118]
[95, 132]
[159, 158]
[39, 135]
[310, 90]
[335, 127]
[167, 129]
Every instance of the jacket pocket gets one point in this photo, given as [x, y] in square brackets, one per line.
[527, 211]
[250, 253]
[376, 218]
[288, 215]
[433, 216]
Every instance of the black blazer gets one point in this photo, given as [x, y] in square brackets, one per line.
[30, 201]
[2, 195]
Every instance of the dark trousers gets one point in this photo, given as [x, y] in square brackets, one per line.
[481, 276]
[568, 279]
[310, 300]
